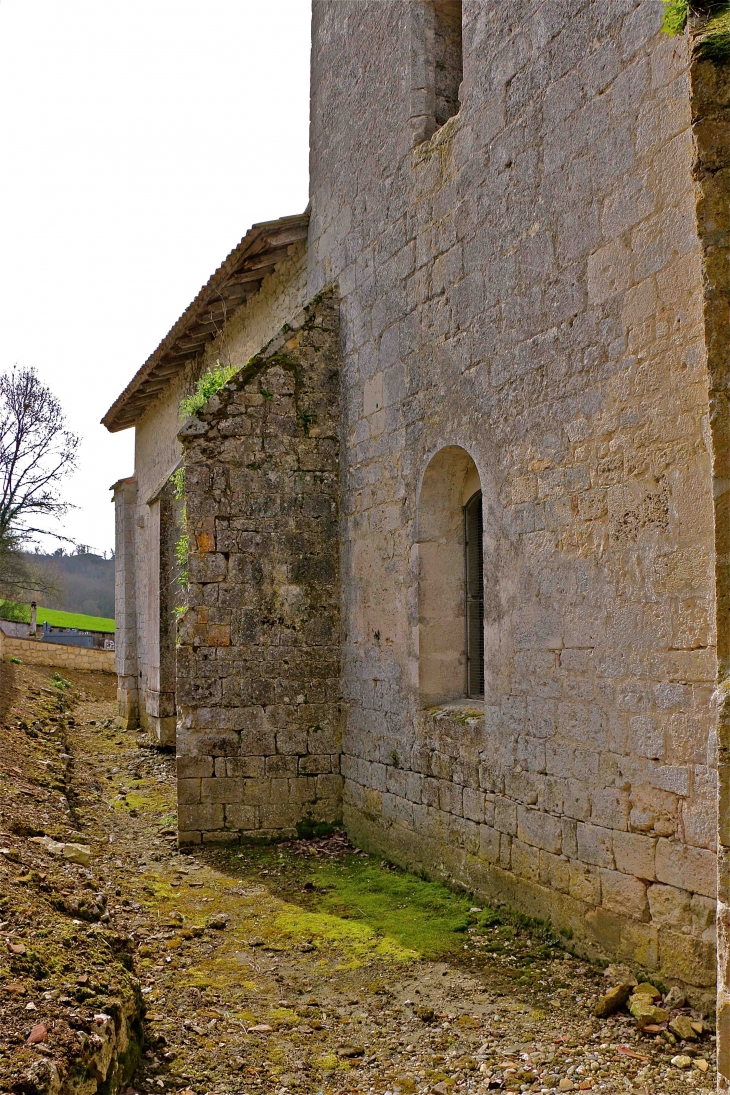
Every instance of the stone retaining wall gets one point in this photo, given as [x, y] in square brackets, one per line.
[65, 657]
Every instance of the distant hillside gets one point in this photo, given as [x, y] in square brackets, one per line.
[83, 583]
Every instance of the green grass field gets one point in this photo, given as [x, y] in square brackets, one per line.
[10, 610]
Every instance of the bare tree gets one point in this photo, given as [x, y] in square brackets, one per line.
[37, 451]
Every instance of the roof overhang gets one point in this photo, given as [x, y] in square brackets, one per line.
[236, 279]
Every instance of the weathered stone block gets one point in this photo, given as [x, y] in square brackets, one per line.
[624, 894]
[610, 808]
[302, 789]
[282, 766]
[194, 767]
[539, 829]
[187, 837]
[220, 836]
[329, 786]
[280, 816]
[634, 854]
[204, 817]
[221, 790]
[241, 818]
[669, 906]
[473, 804]
[555, 872]
[188, 791]
[595, 845]
[505, 815]
[569, 837]
[525, 861]
[489, 844]
[585, 883]
[257, 792]
[688, 868]
[244, 767]
[450, 798]
[703, 914]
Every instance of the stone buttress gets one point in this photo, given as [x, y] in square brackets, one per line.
[258, 677]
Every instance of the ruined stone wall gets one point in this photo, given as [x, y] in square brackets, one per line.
[258, 659]
[527, 285]
[157, 453]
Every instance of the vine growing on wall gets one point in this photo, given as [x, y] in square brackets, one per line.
[182, 547]
[712, 36]
[208, 384]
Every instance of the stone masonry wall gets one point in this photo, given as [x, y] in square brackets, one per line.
[258, 683]
[527, 284]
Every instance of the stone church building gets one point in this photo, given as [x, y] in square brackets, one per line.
[458, 523]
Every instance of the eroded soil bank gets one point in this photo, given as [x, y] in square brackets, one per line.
[300, 968]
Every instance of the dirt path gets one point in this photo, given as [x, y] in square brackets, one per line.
[300, 968]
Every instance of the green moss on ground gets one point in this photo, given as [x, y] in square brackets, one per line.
[415, 917]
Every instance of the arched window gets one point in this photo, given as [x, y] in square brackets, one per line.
[450, 580]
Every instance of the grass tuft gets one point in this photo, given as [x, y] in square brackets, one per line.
[675, 16]
[712, 39]
[207, 386]
[713, 43]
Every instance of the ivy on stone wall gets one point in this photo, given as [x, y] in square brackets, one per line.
[711, 35]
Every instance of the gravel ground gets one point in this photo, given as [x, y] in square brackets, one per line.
[304, 968]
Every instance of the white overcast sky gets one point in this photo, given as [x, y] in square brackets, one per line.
[138, 142]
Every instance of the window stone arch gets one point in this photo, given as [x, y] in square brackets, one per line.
[450, 482]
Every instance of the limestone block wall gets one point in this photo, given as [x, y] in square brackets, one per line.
[64, 657]
[527, 285]
[258, 685]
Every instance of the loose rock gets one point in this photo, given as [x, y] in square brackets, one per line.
[682, 1061]
[675, 998]
[614, 999]
[682, 1026]
[645, 1012]
[646, 989]
[218, 922]
[37, 1034]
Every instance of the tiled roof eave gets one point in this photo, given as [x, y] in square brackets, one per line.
[236, 279]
